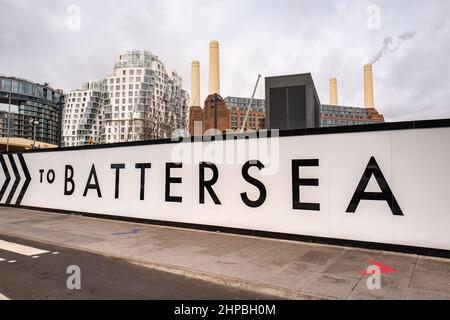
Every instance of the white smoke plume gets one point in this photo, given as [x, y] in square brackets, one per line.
[389, 46]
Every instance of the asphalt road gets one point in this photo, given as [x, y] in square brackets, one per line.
[44, 276]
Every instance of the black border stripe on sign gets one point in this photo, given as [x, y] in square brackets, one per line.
[27, 177]
[7, 175]
[16, 181]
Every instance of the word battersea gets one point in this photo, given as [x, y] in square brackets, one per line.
[207, 186]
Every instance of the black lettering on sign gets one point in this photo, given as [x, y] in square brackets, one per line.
[385, 194]
[143, 166]
[258, 184]
[117, 167]
[170, 180]
[208, 184]
[68, 179]
[50, 176]
[41, 171]
[297, 183]
[95, 185]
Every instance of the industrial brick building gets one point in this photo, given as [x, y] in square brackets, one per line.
[215, 114]
[291, 102]
[333, 114]
[238, 109]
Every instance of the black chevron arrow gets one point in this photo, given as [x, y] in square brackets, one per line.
[16, 182]
[7, 175]
[27, 177]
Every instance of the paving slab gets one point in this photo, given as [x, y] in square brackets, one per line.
[351, 263]
[221, 248]
[28, 230]
[322, 256]
[389, 289]
[432, 281]
[330, 286]
[283, 255]
[286, 268]
[427, 264]
[301, 269]
[414, 294]
[385, 293]
[245, 255]
[281, 280]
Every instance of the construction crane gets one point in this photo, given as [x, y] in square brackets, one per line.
[250, 105]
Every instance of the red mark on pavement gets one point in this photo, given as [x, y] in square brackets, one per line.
[383, 268]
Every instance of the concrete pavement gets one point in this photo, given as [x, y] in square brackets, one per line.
[275, 267]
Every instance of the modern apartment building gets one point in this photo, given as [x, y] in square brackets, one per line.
[144, 100]
[141, 100]
[36, 110]
[83, 115]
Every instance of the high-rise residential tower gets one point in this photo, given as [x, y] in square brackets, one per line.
[144, 100]
[141, 100]
[83, 115]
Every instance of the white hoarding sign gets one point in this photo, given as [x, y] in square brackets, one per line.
[382, 186]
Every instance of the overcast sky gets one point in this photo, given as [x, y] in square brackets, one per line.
[410, 40]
